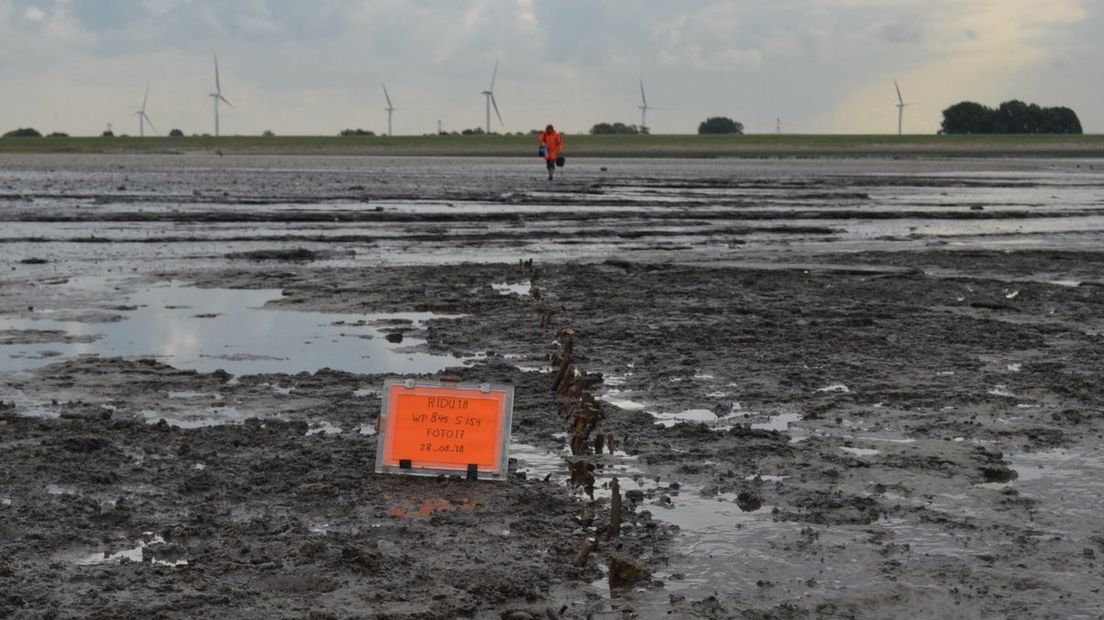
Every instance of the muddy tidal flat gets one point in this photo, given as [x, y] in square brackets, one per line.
[744, 388]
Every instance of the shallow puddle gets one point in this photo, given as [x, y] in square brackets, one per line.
[1060, 479]
[25, 404]
[505, 288]
[704, 416]
[202, 418]
[192, 395]
[209, 329]
[323, 428]
[861, 451]
[134, 554]
[62, 489]
[713, 531]
[537, 463]
[779, 422]
[619, 399]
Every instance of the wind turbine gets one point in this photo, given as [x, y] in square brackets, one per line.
[217, 96]
[643, 108]
[390, 108]
[900, 108]
[144, 118]
[489, 94]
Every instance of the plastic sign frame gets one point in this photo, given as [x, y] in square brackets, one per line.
[430, 427]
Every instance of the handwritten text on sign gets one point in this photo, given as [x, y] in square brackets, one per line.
[444, 427]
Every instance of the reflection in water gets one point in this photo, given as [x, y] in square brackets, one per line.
[208, 329]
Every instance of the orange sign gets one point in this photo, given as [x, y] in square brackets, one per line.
[430, 427]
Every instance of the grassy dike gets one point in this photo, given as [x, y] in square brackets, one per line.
[690, 146]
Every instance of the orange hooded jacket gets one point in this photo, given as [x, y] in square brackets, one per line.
[552, 142]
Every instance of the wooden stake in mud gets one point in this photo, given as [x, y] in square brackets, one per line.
[574, 388]
[567, 341]
[582, 425]
[599, 443]
[562, 373]
[567, 410]
[579, 441]
[589, 547]
[545, 314]
[582, 474]
[615, 509]
[578, 472]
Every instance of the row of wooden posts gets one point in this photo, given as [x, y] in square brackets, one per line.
[581, 412]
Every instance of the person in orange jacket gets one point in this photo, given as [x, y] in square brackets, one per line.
[551, 143]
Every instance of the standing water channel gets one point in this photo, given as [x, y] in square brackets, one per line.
[206, 329]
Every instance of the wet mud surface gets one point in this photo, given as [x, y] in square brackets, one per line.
[828, 388]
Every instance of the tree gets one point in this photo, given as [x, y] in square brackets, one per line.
[720, 125]
[176, 133]
[357, 132]
[108, 133]
[58, 134]
[1011, 117]
[1062, 120]
[967, 117]
[23, 132]
[268, 134]
[614, 128]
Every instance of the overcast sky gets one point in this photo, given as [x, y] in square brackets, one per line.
[316, 66]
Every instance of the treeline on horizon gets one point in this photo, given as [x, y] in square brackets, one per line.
[966, 117]
[1011, 117]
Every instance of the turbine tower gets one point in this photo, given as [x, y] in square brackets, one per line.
[143, 118]
[643, 108]
[900, 108]
[489, 94]
[217, 96]
[390, 108]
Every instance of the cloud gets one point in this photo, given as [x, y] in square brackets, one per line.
[703, 39]
[985, 48]
[905, 28]
[316, 67]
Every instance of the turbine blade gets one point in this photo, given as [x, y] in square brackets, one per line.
[387, 96]
[494, 74]
[642, 97]
[218, 87]
[899, 98]
[145, 116]
[145, 99]
[224, 100]
[495, 104]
